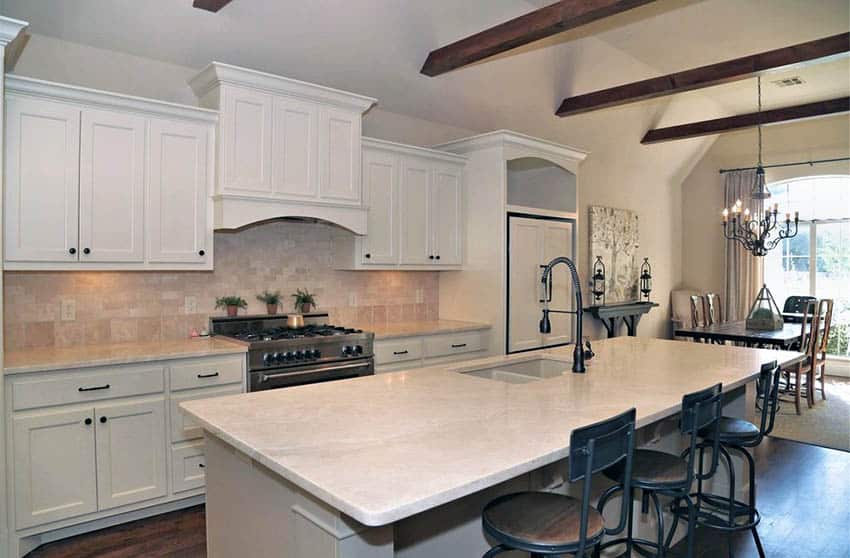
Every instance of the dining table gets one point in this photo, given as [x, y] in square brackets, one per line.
[737, 332]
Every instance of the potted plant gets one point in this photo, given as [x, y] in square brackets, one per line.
[272, 300]
[231, 303]
[304, 300]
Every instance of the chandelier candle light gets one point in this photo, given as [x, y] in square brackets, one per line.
[754, 230]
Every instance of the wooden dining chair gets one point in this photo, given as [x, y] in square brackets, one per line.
[713, 312]
[818, 369]
[809, 337]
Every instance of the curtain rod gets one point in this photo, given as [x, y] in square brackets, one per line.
[789, 164]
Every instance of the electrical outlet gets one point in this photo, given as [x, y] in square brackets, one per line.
[190, 305]
[352, 299]
[420, 296]
[69, 310]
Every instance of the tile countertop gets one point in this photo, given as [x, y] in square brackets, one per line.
[424, 327]
[41, 359]
[382, 448]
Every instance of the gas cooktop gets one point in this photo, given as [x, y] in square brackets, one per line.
[277, 333]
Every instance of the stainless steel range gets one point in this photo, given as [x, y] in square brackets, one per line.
[279, 356]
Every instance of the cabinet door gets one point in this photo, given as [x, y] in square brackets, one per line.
[42, 181]
[525, 289]
[246, 138]
[295, 148]
[558, 241]
[446, 221]
[112, 173]
[380, 190]
[415, 212]
[178, 192]
[339, 156]
[130, 452]
[54, 466]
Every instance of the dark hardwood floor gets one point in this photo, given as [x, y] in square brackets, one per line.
[804, 498]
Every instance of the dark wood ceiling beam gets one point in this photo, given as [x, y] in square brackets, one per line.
[706, 76]
[210, 5]
[533, 26]
[742, 121]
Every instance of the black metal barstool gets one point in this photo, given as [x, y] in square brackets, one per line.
[657, 473]
[543, 523]
[725, 513]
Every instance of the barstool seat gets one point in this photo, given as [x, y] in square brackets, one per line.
[652, 469]
[733, 431]
[534, 520]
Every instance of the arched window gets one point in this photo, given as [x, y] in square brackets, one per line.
[817, 261]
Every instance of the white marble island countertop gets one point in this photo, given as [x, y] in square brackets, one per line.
[385, 447]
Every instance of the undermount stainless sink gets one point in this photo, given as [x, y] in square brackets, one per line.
[520, 372]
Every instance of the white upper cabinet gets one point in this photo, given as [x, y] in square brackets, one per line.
[112, 174]
[101, 181]
[380, 191]
[178, 191]
[286, 148]
[339, 156]
[294, 158]
[414, 197]
[42, 180]
[246, 140]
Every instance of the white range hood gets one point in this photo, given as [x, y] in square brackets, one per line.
[286, 148]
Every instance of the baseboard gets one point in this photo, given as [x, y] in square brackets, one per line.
[838, 367]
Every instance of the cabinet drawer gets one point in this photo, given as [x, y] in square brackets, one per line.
[450, 344]
[182, 426]
[398, 350]
[207, 372]
[79, 387]
[187, 467]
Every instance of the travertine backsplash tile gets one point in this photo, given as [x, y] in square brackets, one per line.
[149, 306]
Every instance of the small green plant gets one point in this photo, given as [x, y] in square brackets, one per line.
[270, 297]
[304, 300]
[231, 303]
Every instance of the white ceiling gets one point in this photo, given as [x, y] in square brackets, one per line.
[376, 47]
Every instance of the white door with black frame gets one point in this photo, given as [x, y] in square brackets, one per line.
[532, 243]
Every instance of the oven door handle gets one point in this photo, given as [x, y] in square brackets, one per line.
[332, 368]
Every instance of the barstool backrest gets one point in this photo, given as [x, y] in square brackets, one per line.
[596, 447]
[768, 396]
[702, 409]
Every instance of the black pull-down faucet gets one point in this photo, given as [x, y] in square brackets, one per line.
[546, 325]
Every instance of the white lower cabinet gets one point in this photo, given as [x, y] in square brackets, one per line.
[130, 443]
[91, 443]
[418, 351]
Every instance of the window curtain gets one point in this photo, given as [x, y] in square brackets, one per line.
[744, 272]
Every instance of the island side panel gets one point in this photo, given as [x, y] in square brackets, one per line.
[251, 511]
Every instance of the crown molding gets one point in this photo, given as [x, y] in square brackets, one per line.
[104, 99]
[391, 146]
[10, 28]
[216, 74]
[508, 138]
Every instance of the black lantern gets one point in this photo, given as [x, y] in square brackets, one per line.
[598, 289]
[645, 279]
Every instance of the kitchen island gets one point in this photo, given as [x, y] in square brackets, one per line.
[401, 464]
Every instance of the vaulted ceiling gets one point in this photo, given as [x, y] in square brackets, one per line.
[376, 47]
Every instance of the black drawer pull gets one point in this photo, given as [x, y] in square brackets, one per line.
[400, 352]
[86, 251]
[201, 465]
[88, 421]
[102, 420]
[96, 388]
[211, 375]
[201, 252]
[458, 345]
[72, 251]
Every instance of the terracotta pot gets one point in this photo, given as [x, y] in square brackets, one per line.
[232, 309]
[305, 308]
[271, 308]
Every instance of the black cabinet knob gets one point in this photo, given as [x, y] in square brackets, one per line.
[367, 256]
[201, 252]
[86, 251]
[430, 257]
[438, 257]
[102, 419]
[72, 251]
[88, 421]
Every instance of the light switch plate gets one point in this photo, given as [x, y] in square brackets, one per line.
[68, 310]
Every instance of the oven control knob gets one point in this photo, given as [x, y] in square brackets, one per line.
[316, 353]
[358, 349]
[299, 355]
[268, 359]
[288, 355]
[346, 350]
[277, 357]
